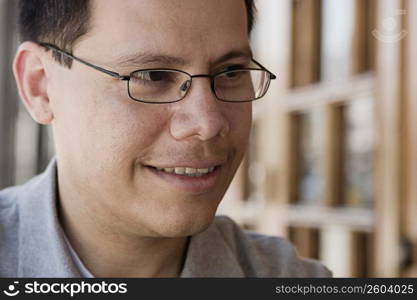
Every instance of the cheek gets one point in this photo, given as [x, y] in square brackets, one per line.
[106, 128]
[127, 129]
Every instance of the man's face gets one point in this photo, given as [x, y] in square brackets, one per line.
[109, 145]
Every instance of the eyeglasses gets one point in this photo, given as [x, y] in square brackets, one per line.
[158, 86]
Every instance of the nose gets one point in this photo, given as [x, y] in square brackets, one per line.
[199, 114]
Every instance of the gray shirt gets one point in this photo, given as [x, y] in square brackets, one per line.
[32, 242]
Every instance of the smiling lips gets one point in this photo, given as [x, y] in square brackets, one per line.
[193, 172]
[189, 179]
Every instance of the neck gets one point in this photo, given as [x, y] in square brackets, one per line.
[107, 253]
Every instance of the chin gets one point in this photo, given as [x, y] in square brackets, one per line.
[185, 225]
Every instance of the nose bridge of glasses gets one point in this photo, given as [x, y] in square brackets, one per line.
[187, 84]
[201, 76]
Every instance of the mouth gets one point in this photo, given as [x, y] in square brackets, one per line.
[188, 179]
[186, 171]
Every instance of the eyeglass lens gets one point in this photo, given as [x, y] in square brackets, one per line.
[161, 86]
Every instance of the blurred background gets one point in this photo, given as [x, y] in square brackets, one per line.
[332, 162]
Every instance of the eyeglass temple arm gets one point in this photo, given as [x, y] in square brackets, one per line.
[115, 74]
[273, 76]
[108, 72]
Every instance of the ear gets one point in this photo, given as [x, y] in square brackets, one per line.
[31, 78]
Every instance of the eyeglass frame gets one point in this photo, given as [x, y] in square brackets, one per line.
[128, 77]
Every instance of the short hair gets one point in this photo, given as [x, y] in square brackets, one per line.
[64, 22]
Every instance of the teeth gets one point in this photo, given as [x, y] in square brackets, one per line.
[187, 171]
[203, 171]
[179, 170]
[190, 171]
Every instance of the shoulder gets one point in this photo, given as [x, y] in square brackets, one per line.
[11, 199]
[8, 201]
[267, 256]
[9, 224]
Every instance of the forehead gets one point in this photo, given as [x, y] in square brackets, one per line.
[194, 29]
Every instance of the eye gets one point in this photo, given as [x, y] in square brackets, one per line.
[151, 75]
[232, 71]
[234, 67]
[232, 74]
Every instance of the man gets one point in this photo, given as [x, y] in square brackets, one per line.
[150, 106]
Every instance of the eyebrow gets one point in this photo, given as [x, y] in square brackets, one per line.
[245, 53]
[143, 59]
[140, 59]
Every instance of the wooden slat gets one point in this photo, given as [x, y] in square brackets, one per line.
[329, 93]
[360, 38]
[306, 240]
[273, 219]
[371, 25]
[335, 249]
[292, 154]
[305, 42]
[319, 95]
[410, 205]
[362, 260]
[269, 147]
[358, 219]
[307, 163]
[411, 113]
[389, 156]
[332, 157]
[337, 39]
[363, 46]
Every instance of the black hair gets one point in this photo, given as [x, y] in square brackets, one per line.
[251, 14]
[64, 22]
[58, 22]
